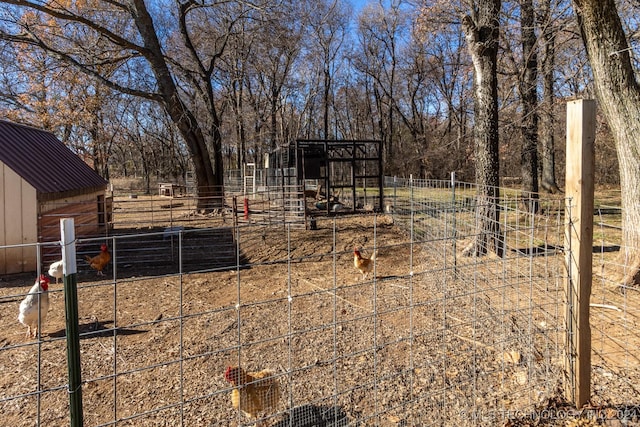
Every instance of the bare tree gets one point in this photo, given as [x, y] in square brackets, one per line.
[236, 73]
[450, 88]
[482, 31]
[81, 111]
[275, 55]
[380, 30]
[328, 25]
[411, 106]
[176, 71]
[547, 112]
[528, 83]
[618, 93]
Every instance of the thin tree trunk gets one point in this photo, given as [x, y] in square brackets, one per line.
[273, 131]
[547, 120]
[327, 82]
[529, 98]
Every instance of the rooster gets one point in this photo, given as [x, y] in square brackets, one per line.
[364, 265]
[99, 261]
[254, 392]
[55, 270]
[38, 296]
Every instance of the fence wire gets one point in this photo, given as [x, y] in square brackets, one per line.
[615, 317]
[429, 337]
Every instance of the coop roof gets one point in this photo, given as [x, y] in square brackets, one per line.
[44, 161]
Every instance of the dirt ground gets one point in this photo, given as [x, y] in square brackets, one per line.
[414, 346]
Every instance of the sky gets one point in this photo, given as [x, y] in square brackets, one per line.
[358, 4]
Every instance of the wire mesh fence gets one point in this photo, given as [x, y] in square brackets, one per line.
[429, 337]
[615, 318]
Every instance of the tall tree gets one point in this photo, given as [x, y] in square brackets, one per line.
[236, 65]
[450, 86]
[276, 53]
[482, 31]
[177, 72]
[380, 30]
[528, 83]
[618, 94]
[80, 110]
[328, 23]
[547, 112]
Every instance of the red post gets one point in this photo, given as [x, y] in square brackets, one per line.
[246, 208]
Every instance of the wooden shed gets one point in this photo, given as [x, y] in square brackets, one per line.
[42, 181]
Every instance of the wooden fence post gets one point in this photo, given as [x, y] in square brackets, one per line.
[581, 116]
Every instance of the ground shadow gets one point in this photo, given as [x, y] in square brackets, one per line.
[613, 415]
[604, 249]
[315, 416]
[164, 251]
[557, 409]
[97, 329]
[20, 280]
[539, 250]
[543, 249]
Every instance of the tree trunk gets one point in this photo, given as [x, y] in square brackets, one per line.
[325, 118]
[273, 132]
[618, 95]
[238, 94]
[529, 97]
[547, 121]
[482, 34]
[209, 181]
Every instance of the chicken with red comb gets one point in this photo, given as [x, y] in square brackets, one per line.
[34, 307]
[363, 265]
[100, 261]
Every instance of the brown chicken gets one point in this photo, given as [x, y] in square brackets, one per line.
[364, 265]
[255, 393]
[100, 261]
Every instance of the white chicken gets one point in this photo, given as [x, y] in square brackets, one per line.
[55, 270]
[37, 297]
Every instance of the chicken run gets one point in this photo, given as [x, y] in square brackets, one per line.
[396, 346]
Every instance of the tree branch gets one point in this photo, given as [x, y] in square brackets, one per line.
[33, 40]
[72, 17]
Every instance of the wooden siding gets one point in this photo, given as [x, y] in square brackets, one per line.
[45, 206]
[18, 215]
[86, 220]
[13, 221]
[29, 230]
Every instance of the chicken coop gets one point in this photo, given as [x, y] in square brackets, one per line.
[342, 175]
[348, 174]
[42, 181]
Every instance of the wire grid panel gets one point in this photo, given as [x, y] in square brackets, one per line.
[429, 337]
[615, 317]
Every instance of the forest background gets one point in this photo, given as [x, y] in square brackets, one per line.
[247, 78]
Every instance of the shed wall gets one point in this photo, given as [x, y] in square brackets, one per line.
[90, 216]
[18, 222]
[47, 206]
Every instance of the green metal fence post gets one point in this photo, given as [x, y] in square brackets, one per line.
[67, 232]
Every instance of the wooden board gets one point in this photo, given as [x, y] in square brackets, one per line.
[581, 118]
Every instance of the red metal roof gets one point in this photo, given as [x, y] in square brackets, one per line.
[44, 161]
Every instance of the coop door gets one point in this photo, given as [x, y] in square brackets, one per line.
[314, 160]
